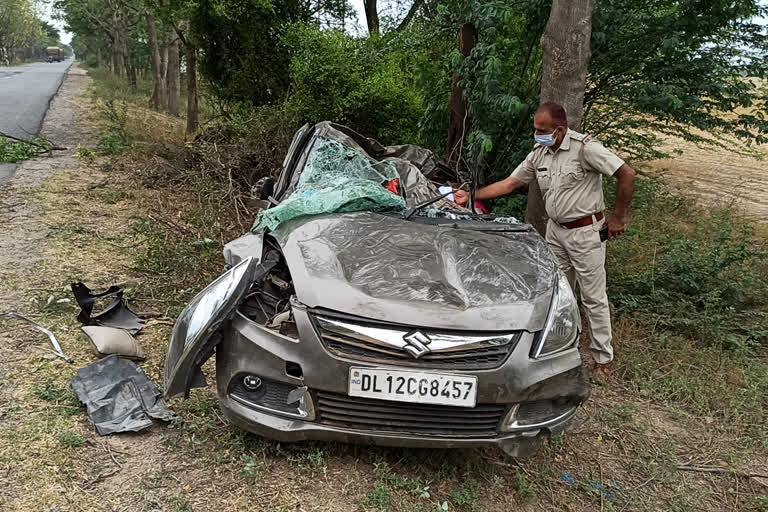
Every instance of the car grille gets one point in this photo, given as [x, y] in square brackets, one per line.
[477, 358]
[355, 413]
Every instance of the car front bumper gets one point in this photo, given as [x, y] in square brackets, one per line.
[287, 430]
[250, 349]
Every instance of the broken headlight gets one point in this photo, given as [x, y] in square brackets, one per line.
[563, 321]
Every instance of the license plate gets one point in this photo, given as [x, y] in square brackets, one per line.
[414, 387]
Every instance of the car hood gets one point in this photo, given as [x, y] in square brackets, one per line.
[438, 276]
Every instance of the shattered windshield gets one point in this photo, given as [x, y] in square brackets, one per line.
[337, 179]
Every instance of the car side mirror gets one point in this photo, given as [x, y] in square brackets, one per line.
[265, 187]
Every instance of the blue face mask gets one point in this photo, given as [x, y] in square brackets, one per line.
[546, 140]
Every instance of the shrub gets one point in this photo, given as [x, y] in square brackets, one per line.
[367, 84]
[698, 272]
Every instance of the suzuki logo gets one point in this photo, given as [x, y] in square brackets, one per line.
[417, 343]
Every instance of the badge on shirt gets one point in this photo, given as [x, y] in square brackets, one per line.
[541, 169]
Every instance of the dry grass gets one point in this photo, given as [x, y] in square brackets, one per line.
[718, 177]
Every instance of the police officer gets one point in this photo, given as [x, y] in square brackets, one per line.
[569, 168]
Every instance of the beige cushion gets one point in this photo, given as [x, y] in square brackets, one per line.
[108, 340]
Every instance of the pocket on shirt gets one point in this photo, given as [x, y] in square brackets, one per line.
[544, 178]
[572, 175]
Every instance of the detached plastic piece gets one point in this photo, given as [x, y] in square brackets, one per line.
[116, 315]
[119, 396]
[54, 341]
[110, 341]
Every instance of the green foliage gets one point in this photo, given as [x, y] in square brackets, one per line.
[703, 379]
[20, 29]
[511, 206]
[243, 55]
[499, 80]
[377, 498]
[708, 280]
[524, 487]
[50, 391]
[367, 84]
[657, 68]
[115, 138]
[466, 496]
[71, 440]
[13, 152]
[181, 257]
[757, 502]
[180, 504]
[253, 467]
[667, 65]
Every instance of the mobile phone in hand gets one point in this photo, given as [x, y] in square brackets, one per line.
[604, 233]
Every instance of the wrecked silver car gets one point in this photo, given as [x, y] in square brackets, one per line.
[365, 307]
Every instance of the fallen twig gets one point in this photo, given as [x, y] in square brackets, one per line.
[53, 147]
[710, 469]
[109, 451]
[103, 476]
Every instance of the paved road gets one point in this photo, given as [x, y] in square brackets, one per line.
[25, 92]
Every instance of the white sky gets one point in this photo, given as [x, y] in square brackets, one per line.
[46, 14]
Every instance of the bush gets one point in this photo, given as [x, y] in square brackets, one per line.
[367, 84]
[702, 273]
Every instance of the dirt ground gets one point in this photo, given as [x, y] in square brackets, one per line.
[65, 219]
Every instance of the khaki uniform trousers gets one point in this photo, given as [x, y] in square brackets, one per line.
[581, 256]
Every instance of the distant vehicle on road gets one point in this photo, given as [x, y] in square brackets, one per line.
[55, 54]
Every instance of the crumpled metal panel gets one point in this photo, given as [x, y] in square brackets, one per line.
[389, 269]
[247, 246]
[413, 163]
[119, 396]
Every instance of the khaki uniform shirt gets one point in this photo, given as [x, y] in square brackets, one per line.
[570, 192]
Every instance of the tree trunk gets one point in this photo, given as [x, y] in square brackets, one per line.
[566, 48]
[132, 76]
[372, 16]
[458, 123]
[174, 78]
[128, 62]
[118, 58]
[192, 107]
[159, 94]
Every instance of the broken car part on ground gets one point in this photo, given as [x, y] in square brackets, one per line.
[109, 340]
[119, 396]
[364, 307]
[116, 314]
[56, 346]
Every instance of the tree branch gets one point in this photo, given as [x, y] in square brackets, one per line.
[45, 149]
[411, 14]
